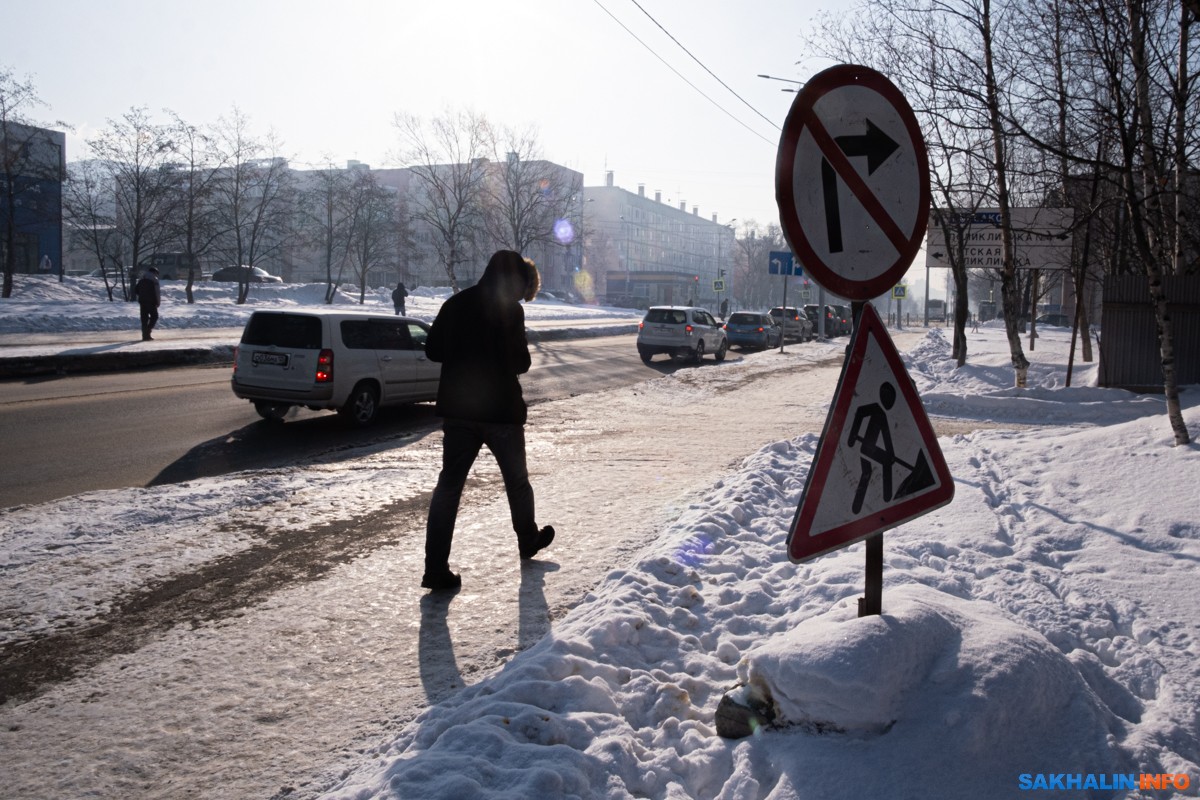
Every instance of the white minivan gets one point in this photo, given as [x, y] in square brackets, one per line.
[351, 362]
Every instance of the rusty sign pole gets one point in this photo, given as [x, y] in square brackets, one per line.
[872, 600]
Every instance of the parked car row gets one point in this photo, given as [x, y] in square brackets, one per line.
[687, 332]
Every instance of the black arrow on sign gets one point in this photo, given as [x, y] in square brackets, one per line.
[877, 146]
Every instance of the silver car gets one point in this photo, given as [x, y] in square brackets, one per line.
[795, 323]
[682, 332]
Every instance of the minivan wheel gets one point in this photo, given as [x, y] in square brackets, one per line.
[275, 412]
[721, 350]
[699, 354]
[646, 355]
[362, 406]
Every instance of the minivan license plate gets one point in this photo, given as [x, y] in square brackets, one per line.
[276, 359]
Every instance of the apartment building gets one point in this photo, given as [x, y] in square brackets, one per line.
[641, 251]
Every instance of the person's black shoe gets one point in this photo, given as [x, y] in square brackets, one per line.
[543, 539]
[441, 581]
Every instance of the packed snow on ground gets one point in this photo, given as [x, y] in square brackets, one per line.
[1041, 631]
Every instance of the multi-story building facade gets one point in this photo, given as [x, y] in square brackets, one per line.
[32, 170]
[600, 244]
[640, 251]
[547, 224]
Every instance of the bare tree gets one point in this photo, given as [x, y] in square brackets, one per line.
[753, 286]
[254, 192]
[25, 165]
[940, 54]
[91, 212]
[1049, 85]
[448, 158]
[136, 150]
[194, 222]
[527, 196]
[1131, 101]
[324, 221]
[374, 228]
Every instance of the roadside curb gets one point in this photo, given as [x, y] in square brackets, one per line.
[81, 362]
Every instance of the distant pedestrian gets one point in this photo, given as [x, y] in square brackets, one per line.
[398, 295]
[975, 324]
[478, 337]
[148, 296]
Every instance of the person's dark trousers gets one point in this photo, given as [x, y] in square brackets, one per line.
[149, 320]
[461, 442]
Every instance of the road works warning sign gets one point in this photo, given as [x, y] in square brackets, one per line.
[878, 463]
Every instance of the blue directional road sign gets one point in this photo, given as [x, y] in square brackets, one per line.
[782, 263]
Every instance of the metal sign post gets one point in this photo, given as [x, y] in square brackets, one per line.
[782, 262]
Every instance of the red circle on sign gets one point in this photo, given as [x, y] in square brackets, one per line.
[801, 117]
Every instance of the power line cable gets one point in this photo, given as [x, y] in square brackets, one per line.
[682, 78]
[703, 66]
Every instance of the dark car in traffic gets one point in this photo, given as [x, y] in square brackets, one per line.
[1054, 320]
[833, 320]
[843, 319]
[244, 274]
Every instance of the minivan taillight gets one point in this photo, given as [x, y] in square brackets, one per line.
[688, 328]
[324, 366]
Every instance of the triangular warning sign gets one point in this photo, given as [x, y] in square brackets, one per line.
[878, 463]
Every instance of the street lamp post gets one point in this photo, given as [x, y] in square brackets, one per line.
[785, 80]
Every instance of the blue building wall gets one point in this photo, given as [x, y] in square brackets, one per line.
[35, 161]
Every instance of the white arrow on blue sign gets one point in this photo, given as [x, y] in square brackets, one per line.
[782, 263]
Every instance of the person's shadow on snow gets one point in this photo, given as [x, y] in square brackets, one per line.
[533, 615]
[440, 675]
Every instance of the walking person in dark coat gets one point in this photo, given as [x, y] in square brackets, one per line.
[146, 291]
[398, 295]
[479, 338]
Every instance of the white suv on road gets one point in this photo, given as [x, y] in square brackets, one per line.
[351, 362]
[682, 332]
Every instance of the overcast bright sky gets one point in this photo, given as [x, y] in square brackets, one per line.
[329, 77]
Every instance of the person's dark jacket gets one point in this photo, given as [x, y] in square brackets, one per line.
[479, 338]
[146, 291]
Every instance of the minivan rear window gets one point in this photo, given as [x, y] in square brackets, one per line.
[670, 316]
[291, 331]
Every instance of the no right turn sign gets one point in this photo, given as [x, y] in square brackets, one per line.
[852, 181]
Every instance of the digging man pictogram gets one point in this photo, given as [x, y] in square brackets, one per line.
[876, 448]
